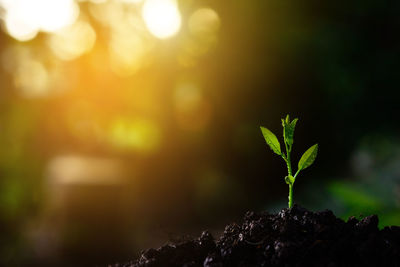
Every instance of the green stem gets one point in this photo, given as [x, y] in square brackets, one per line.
[290, 196]
[289, 167]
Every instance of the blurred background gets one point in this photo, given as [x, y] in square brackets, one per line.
[128, 123]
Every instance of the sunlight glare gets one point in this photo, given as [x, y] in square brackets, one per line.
[162, 17]
[25, 18]
[132, 1]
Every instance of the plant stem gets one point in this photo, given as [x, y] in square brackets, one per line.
[290, 196]
[289, 167]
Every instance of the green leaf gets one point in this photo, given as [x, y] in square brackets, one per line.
[293, 123]
[288, 132]
[308, 157]
[287, 119]
[289, 179]
[271, 140]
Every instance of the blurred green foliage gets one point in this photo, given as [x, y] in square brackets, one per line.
[373, 187]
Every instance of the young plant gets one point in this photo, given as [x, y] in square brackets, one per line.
[305, 161]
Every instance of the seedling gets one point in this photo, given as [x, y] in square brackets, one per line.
[305, 161]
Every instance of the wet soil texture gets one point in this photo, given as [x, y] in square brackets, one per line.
[293, 237]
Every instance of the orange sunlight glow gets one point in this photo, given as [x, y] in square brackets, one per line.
[162, 17]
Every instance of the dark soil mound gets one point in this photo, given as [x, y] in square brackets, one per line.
[293, 237]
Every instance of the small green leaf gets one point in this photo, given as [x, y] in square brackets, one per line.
[288, 132]
[287, 119]
[293, 123]
[289, 179]
[271, 140]
[308, 157]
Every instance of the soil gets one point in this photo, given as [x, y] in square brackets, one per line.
[292, 237]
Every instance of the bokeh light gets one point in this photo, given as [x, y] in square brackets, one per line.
[162, 17]
[75, 169]
[203, 25]
[73, 41]
[127, 52]
[25, 18]
[30, 76]
[204, 22]
[192, 110]
[32, 79]
[137, 134]
[132, 1]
